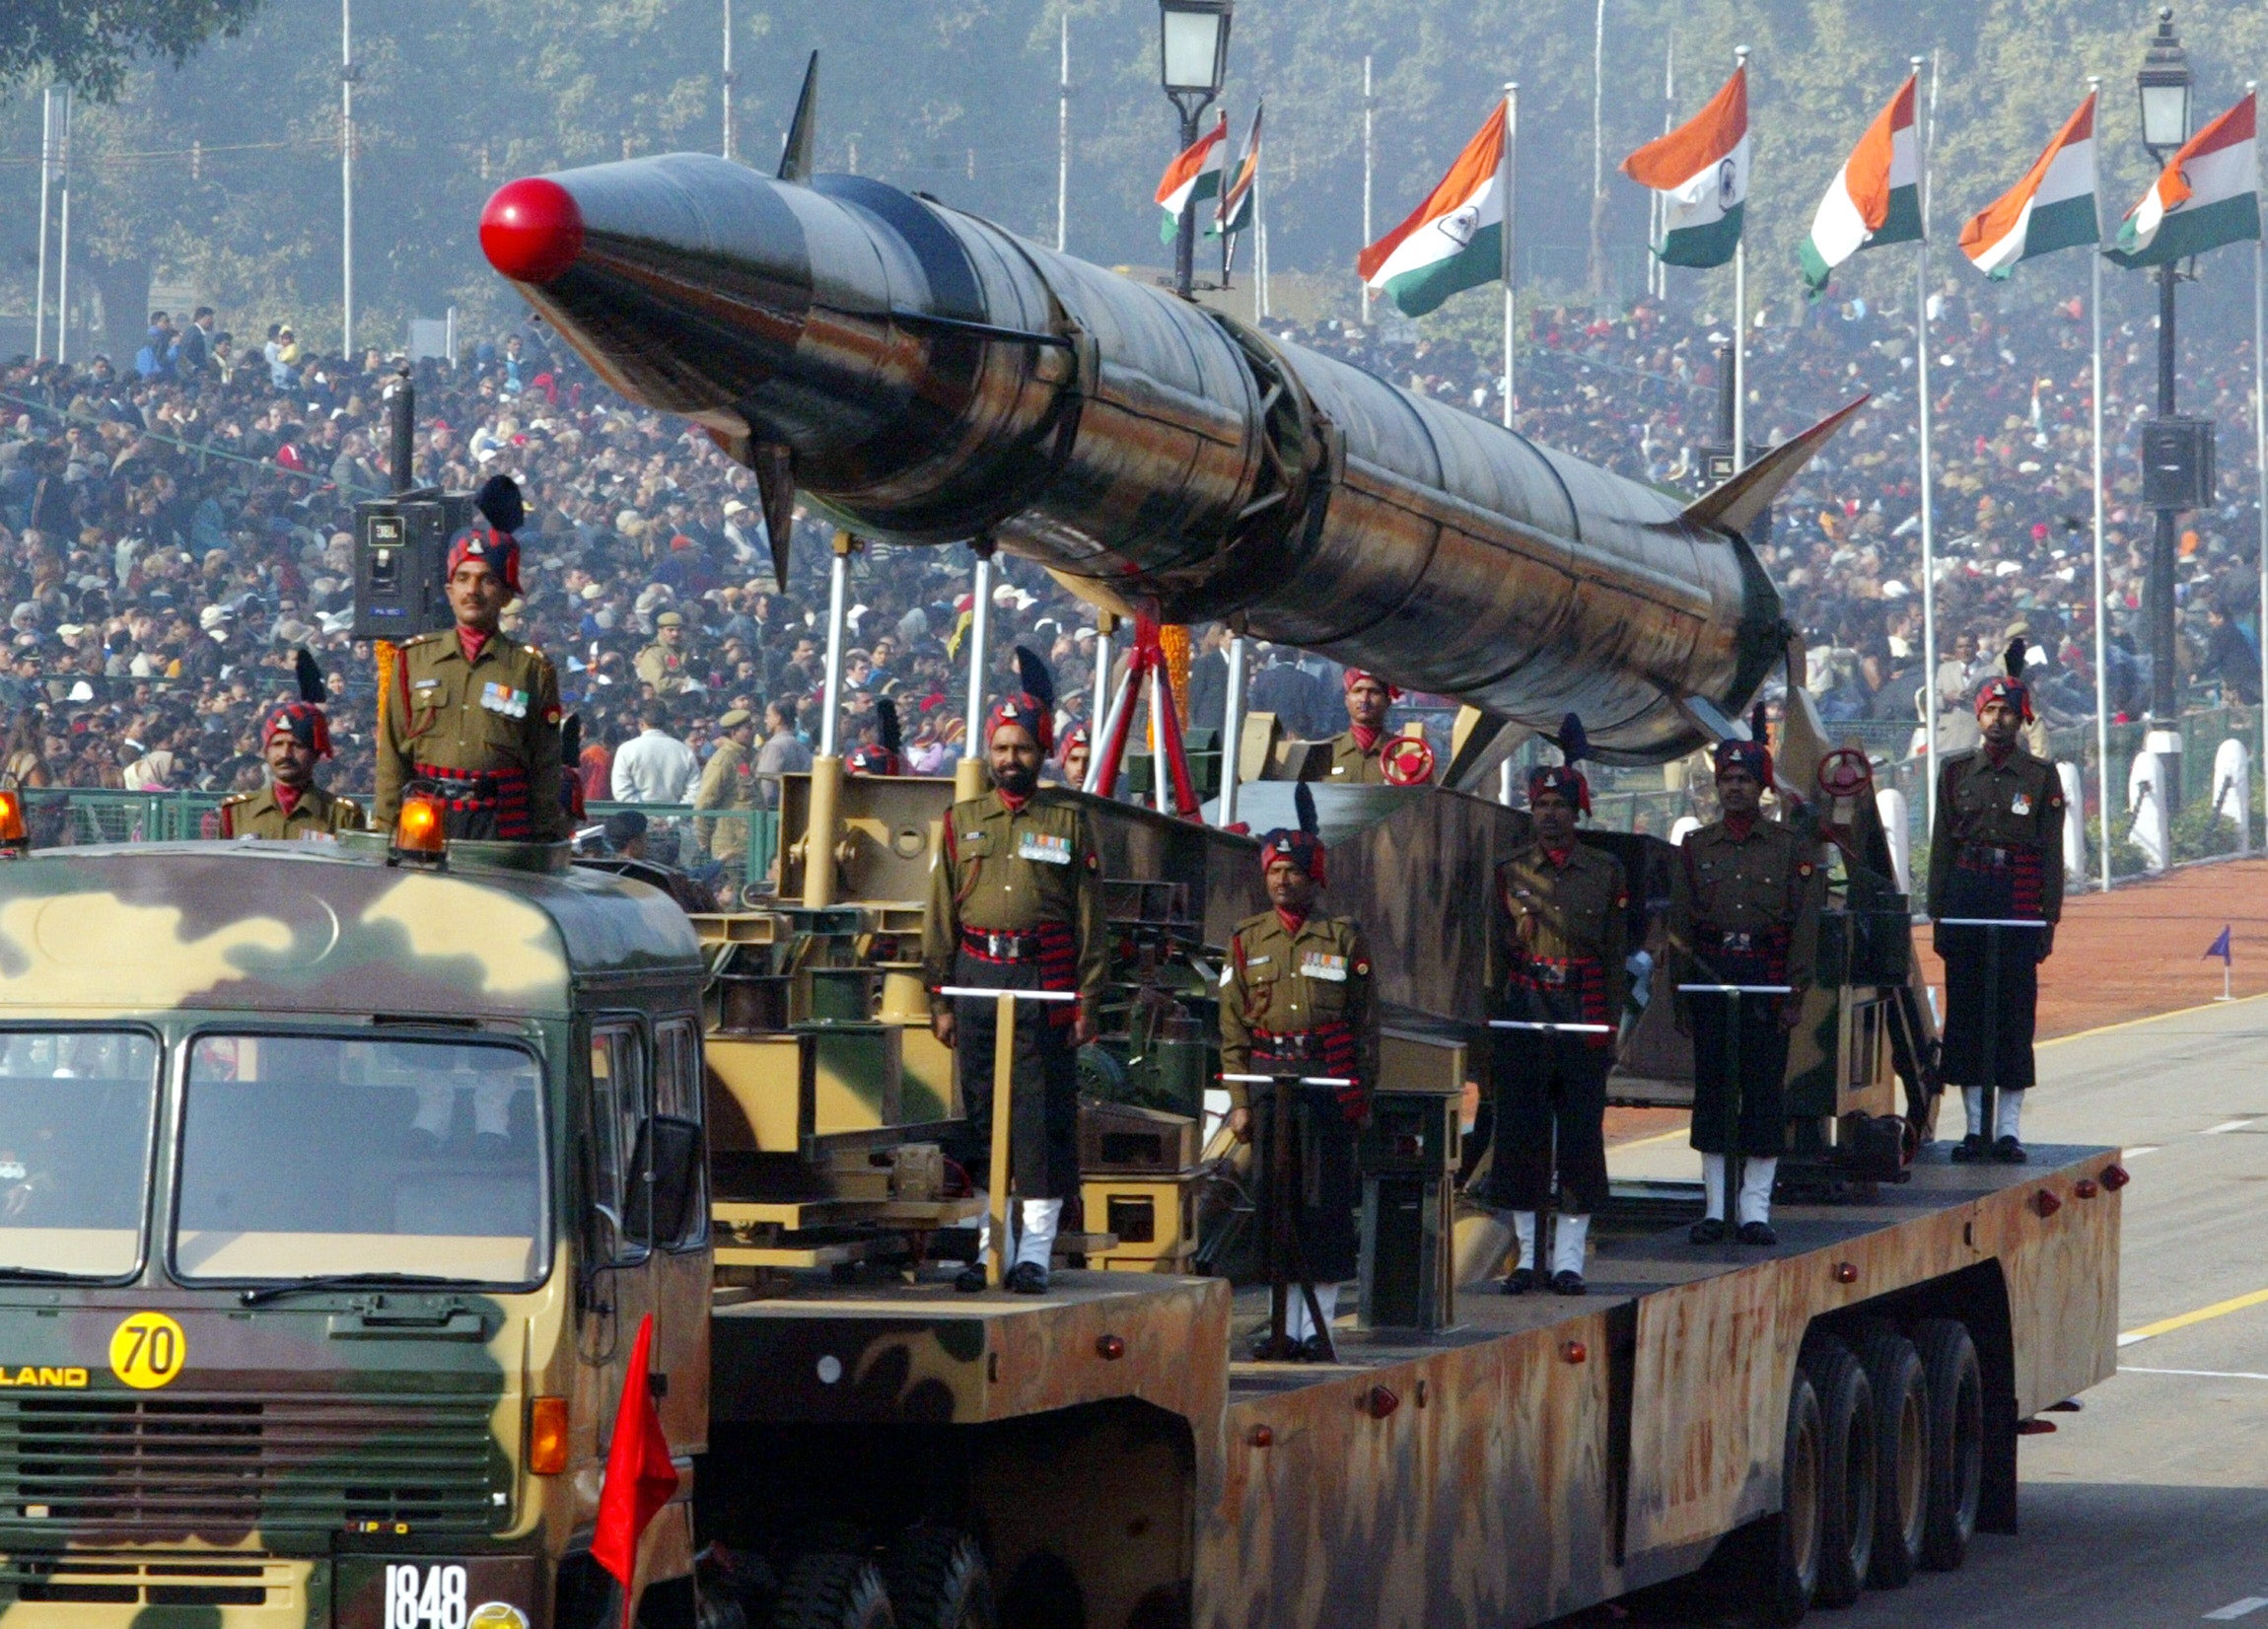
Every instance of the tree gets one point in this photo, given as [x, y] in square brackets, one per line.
[89, 44]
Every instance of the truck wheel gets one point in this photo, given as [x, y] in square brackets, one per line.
[1848, 1477]
[1956, 1439]
[1901, 1455]
[1781, 1553]
[938, 1580]
[833, 1592]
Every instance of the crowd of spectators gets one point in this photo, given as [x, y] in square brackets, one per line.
[174, 526]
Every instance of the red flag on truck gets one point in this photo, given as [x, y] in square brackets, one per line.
[639, 1476]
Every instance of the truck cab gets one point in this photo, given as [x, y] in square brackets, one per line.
[333, 1193]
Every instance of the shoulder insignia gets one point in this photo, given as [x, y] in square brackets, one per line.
[1362, 969]
[1093, 861]
[1802, 868]
[421, 639]
[551, 716]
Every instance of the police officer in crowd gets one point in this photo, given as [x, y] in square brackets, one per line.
[1745, 894]
[1557, 945]
[663, 665]
[1015, 903]
[294, 735]
[1996, 855]
[728, 784]
[1296, 999]
[1359, 753]
[471, 712]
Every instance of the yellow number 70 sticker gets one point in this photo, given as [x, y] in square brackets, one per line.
[148, 1351]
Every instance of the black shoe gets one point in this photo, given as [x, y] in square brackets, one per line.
[1758, 1233]
[1265, 1350]
[1027, 1278]
[2009, 1151]
[1519, 1281]
[1316, 1349]
[1710, 1230]
[1567, 1282]
[1971, 1149]
[969, 1279]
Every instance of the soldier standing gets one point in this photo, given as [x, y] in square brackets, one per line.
[1015, 903]
[664, 663]
[295, 735]
[1359, 753]
[1558, 948]
[1296, 998]
[727, 783]
[474, 712]
[1745, 894]
[1996, 855]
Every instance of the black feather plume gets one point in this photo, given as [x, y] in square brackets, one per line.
[308, 672]
[1303, 802]
[1037, 682]
[1574, 744]
[571, 741]
[1758, 723]
[501, 504]
[887, 728]
[2013, 659]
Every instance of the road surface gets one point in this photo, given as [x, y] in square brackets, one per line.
[2149, 1509]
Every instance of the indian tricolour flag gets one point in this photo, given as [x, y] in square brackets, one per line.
[2209, 195]
[1876, 197]
[1701, 170]
[1452, 241]
[1236, 212]
[1194, 178]
[2051, 208]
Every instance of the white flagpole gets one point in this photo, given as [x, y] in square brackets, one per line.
[1929, 506]
[63, 240]
[2101, 593]
[1740, 323]
[1260, 238]
[1367, 239]
[2259, 455]
[47, 180]
[1063, 141]
[1509, 171]
[1656, 272]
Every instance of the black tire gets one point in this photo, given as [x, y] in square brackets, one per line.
[833, 1592]
[1956, 1439]
[1901, 1455]
[938, 1580]
[1780, 1555]
[1848, 1476]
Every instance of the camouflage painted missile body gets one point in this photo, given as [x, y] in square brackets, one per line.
[172, 1454]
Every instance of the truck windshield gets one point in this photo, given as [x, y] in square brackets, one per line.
[76, 1112]
[305, 1155]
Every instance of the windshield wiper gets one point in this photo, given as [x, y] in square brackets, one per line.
[346, 1281]
[39, 1275]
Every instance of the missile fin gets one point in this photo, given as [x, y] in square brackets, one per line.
[1479, 742]
[796, 152]
[1736, 504]
[775, 469]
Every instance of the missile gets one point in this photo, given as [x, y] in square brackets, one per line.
[922, 376]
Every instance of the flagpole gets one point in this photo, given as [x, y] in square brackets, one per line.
[2101, 593]
[1929, 508]
[1063, 140]
[1740, 320]
[1657, 207]
[2259, 457]
[1367, 240]
[1511, 172]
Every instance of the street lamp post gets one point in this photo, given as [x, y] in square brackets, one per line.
[2164, 86]
[1192, 55]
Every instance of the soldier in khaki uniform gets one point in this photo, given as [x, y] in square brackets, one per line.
[474, 712]
[291, 805]
[728, 782]
[1296, 997]
[664, 663]
[1745, 894]
[1996, 855]
[1015, 903]
[1557, 948]
[1358, 754]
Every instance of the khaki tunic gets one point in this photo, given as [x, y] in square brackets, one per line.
[1554, 914]
[1288, 983]
[317, 813]
[2015, 804]
[667, 670]
[1012, 871]
[727, 782]
[497, 713]
[1764, 889]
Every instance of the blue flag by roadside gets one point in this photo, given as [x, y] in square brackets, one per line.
[2220, 948]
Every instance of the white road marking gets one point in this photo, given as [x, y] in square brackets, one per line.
[2225, 1125]
[2237, 1609]
[2138, 1153]
[2200, 1374]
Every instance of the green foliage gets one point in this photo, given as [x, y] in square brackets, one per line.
[89, 45]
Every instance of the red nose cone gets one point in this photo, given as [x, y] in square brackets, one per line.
[533, 230]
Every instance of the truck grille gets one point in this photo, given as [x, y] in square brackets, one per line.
[118, 1580]
[216, 1467]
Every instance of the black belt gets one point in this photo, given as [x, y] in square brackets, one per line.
[1002, 945]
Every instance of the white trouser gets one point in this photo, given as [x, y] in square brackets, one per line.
[1523, 1228]
[2009, 1112]
[1568, 1236]
[1756, 1197]
[1036, 1238]
[1297, 1324]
